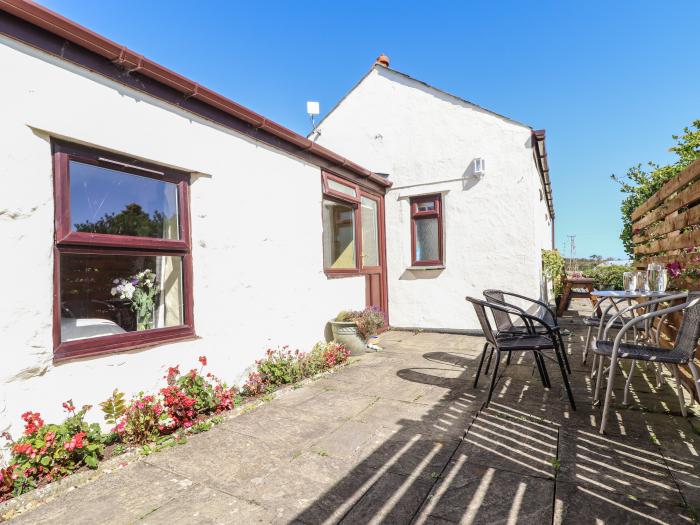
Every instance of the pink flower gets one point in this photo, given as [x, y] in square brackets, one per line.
[75, 442]
[674, 269]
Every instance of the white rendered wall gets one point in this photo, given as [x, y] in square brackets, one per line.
[256, 235]
[427, 141]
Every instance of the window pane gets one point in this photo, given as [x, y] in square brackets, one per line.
[338, 235]
[370, 229]
[342, 188]
[118, 203]
[426, 206]
[427, 240]
[113, 294]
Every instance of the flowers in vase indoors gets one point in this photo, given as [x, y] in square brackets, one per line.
[140, 290]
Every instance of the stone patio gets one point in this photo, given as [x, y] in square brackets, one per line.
[400, 436]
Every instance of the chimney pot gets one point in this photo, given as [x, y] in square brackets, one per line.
[382, 60]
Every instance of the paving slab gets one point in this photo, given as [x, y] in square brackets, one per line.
[582, 504]
[476, 494]
[134, 492]
[402, 436]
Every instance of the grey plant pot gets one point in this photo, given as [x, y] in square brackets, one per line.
[347, 334]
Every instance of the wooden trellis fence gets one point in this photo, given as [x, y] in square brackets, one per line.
[666, 229]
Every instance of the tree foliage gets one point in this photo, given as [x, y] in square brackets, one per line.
[642, 181]
[132, 220]
[553, 269]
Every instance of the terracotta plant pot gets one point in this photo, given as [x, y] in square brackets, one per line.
[346, 333]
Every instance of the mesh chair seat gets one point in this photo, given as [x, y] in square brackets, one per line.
[595, 321]
[643, 352]
[524, 342]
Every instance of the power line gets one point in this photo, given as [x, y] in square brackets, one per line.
[572, 253]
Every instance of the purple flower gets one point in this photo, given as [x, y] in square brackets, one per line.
[674, 269]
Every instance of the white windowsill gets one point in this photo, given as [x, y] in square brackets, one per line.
[436, 267]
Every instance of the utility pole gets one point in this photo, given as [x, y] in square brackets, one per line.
[572, 252]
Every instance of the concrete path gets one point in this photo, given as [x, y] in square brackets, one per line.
[402, 437]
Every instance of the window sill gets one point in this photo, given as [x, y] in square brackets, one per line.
[431, 267]
[98, 346]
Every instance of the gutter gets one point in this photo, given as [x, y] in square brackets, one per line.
[543, 167]
[132, 62]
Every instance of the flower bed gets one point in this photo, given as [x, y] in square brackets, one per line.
[189, 403]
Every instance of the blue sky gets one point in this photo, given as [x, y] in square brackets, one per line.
[609, 81]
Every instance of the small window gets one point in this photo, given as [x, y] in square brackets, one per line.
[426, 231]
[333, 185]
[338, 235]
[370, 231]
[122, 255]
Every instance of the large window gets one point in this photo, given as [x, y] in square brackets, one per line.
[426, 231]
[123, 269]
[350, 227]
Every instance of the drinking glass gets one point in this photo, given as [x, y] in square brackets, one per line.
[662, 280]
[642, 284]
[653, 274]
[630, 281]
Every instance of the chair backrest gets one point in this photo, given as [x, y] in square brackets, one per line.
[536, 307]
[689, 331]
[480, 308]
[503, 320]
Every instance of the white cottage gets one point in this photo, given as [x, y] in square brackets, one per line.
[470, 207]
[116, 171]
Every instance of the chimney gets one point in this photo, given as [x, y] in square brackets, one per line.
[382, 60]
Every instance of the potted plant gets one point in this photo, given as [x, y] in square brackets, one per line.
[353, 328]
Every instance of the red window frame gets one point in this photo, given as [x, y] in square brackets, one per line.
[354, 202]
[67, 241]
[416, 215]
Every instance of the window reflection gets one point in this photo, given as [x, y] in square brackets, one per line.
[338, 235]
[118, 203]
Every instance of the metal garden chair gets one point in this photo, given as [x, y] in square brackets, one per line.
[507, 343]
[546, 315]
[682, 352]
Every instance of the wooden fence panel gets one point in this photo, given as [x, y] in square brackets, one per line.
[666, 230]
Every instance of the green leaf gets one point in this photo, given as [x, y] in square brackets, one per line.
[91, 461]
[46, 461]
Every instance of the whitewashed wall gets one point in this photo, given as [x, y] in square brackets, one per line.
[256, 232]
[427, 141]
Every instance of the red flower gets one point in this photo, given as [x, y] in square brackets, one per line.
[173, 372]
[68, 406]
[75, 442]
[34, 422]
[203, 359]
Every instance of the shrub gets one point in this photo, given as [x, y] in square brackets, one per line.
[180, 407]
[7, 481]
[345, 316]
[369, 321]
[47, 452]
[209, 392]
[142, 421]
[608, 276]
[254, 385]
[113, 407]
[282, 366]
[553, 269]
[333, 354]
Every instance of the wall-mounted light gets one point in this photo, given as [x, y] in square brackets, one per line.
[479, 167]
